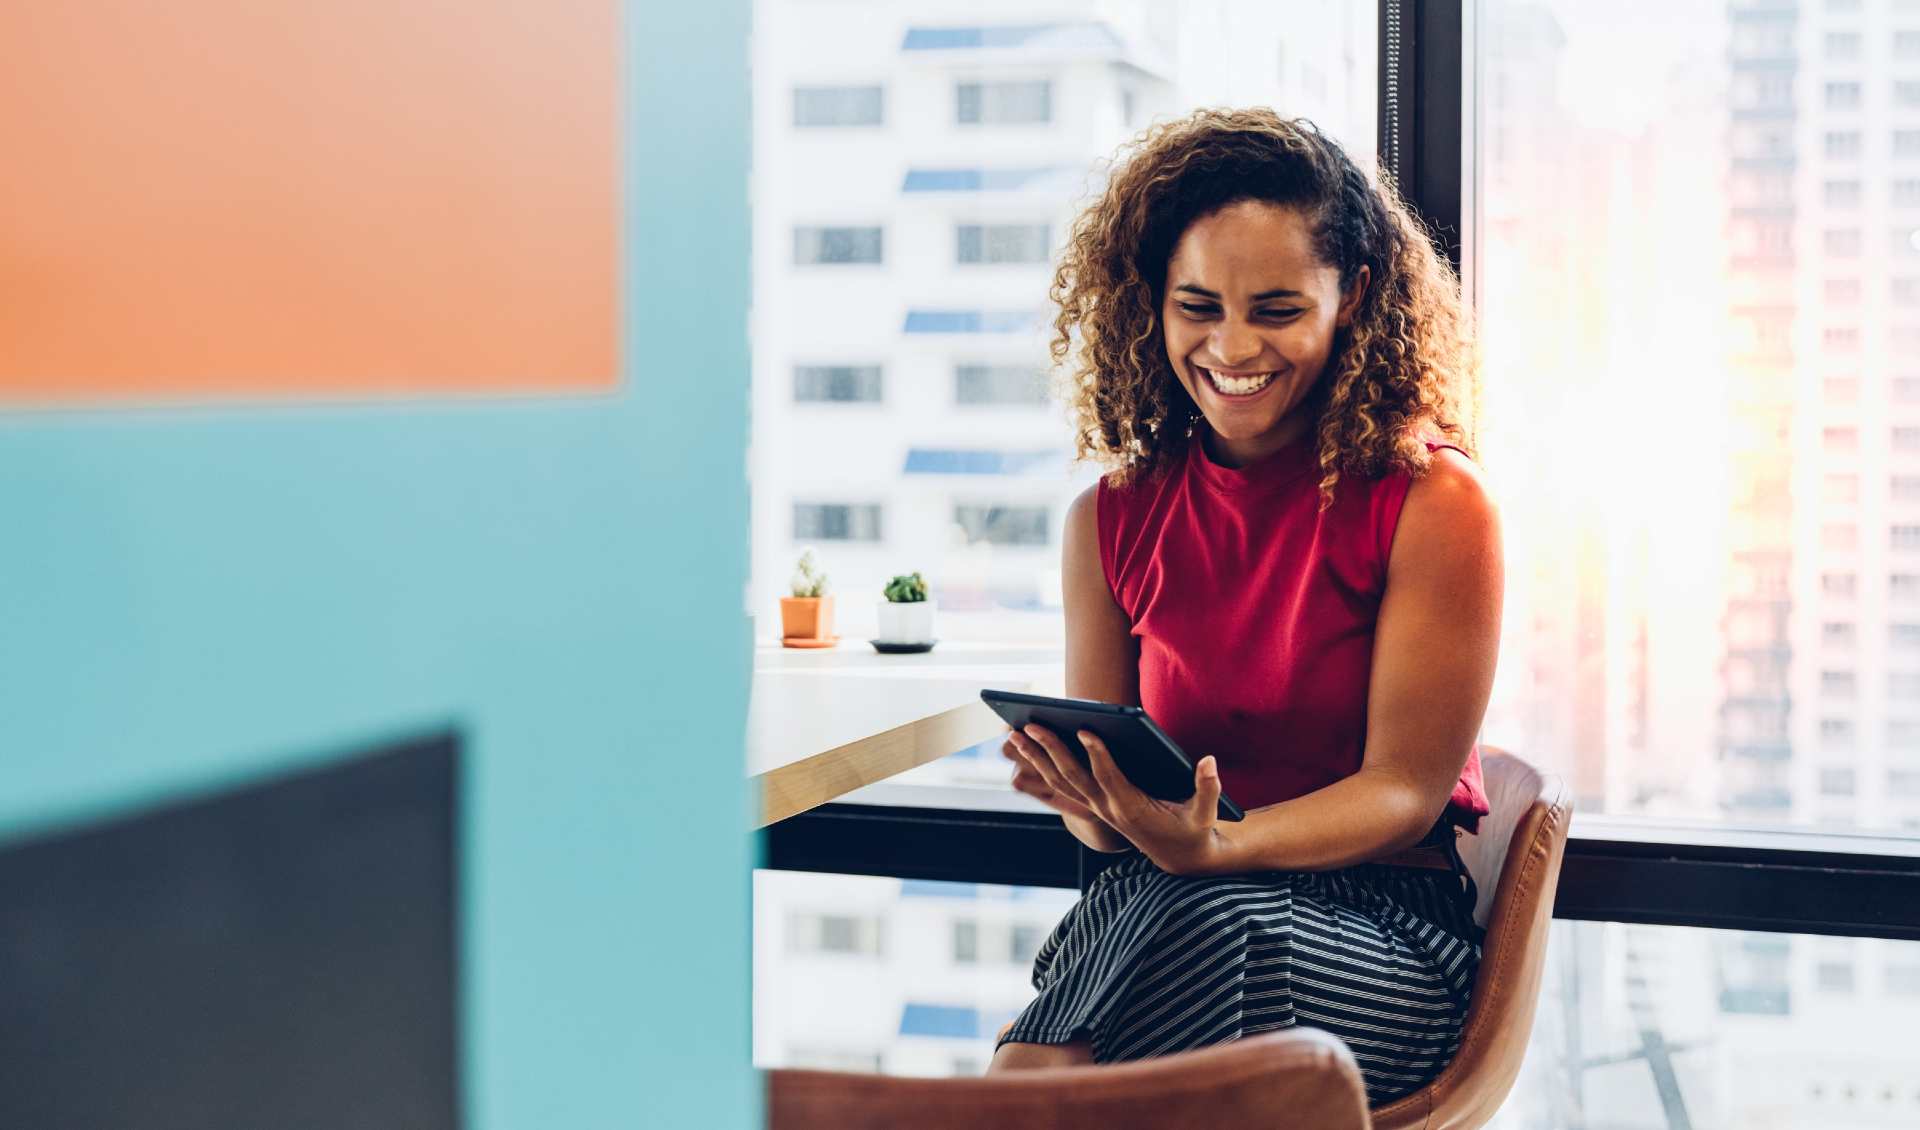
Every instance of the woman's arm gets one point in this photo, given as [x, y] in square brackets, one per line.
[1433, 660]
[1102, 663]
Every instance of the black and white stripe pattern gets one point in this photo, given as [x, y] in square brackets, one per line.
[1149, 963]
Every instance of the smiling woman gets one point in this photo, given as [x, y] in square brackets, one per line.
[1293, 567]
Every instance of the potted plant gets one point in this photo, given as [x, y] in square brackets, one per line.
[906, 615]
[806, 617]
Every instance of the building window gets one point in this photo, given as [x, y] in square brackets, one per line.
[1836, 732]
[1903, 734]
[839, 105]
[1841, 489]
[1021, 385]
[1840, 440]
[1906, 291]
[1834, 976]
[1836, 782]
[966, 942]
[1906, 44]
[1002, 525]
[1841, 241]
[1841, 585]
[1903, 979]
[1841, 193]
[1840, 339]
[1026, 943]
[1843, 45]
[1906, 439]
[836, 384]
[820, 246]
[836, 521]
[1843, 96]
[1903, 686]
[1840, 390]
[1906, 537]
[1906, 94]
[1001, 243]
[1903, 783]
[1904, 586]
[1906, 390]
[1906, 143]
[1837, 684]
[1906, 192]
[833, 933]
[1003, 103]
[1905, 637]
[1838, 633]
[1842, 535]
[1842, 292]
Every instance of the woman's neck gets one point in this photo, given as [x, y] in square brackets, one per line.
[1237, 453]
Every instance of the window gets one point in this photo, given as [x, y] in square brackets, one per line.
[1906, 44]
[1906, 439]
[1842, 292]
[1840, 193]
[1906, 192]
[1026, 943]
[1002, 525]
[836, 521]
[1905, 291]
[1840, 339]
[1840, 535]
[835, 245]
[1904, 637]
[1841, 242]
[1906, 390]
[838, 105]
[1835, 976]
[1838, 634]
[1906, 537]
[999, 384]
[1003, 103]
[1904, 587]
[1842, 145]
[1906, 143]
[1906, 94]
[1841, 585]
[1837, 684]
[1837, 781]
[851, 384]
[1842, 489]
[1903, 734]
[1001, 243]
[1903, 686]
[1840, 440]
[1903, 978]
[811, 933]
[966, 942]
[1836, 733]
[1903, 783]
[1843, 45]
[1843, 96]
[1840, 390]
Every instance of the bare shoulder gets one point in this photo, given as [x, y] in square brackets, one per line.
[1448, 513]
[1082, 512]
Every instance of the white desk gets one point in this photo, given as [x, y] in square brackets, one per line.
[823, 723]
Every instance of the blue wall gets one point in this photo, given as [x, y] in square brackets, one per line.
[200, 595]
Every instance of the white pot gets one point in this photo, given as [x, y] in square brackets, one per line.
[908, 622]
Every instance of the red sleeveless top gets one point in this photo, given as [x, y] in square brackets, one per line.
[1254, 612]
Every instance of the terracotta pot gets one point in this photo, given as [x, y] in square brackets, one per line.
[806, 617]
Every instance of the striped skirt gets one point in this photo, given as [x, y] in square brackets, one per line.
[1148, 963]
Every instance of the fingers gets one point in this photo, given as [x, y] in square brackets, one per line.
[1066, 766]
[1112, 783]
[1027, 780]
[1042, 762]
[1206, 791]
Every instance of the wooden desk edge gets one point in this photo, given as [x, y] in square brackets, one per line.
[811, 782]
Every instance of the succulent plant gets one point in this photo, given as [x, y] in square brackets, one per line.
[906, 589]
[808, 580]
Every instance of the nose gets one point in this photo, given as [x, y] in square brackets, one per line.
[1234, 345]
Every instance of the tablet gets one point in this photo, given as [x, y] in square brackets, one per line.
[1142, 750]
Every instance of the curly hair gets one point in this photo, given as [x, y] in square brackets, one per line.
[1404, 370]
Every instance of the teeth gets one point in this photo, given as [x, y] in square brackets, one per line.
[1238, 386]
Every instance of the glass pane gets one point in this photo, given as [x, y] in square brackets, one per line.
[996, 125]
[1701, 422]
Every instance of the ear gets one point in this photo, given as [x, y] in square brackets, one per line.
[1350, 301]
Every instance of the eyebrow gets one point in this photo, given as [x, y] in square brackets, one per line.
[1265, 294]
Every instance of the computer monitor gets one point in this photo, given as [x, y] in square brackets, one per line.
[281, 955]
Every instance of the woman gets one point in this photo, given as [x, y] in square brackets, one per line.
[1294, 567]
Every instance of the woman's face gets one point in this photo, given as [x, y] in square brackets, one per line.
[1249, 320]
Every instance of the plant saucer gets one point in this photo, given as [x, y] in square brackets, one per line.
[894, 647]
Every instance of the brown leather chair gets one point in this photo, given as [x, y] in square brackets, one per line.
[1515, 862]
[1298, 1078]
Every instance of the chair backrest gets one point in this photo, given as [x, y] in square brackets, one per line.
[1299, 1077]
[1515, 863]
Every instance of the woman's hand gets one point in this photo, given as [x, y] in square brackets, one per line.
[1181, 838]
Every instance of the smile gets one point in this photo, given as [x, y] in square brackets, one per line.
[1237, 386]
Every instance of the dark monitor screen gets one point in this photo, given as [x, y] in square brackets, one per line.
[278, 956]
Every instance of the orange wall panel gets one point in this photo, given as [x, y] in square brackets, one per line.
[264, 198]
